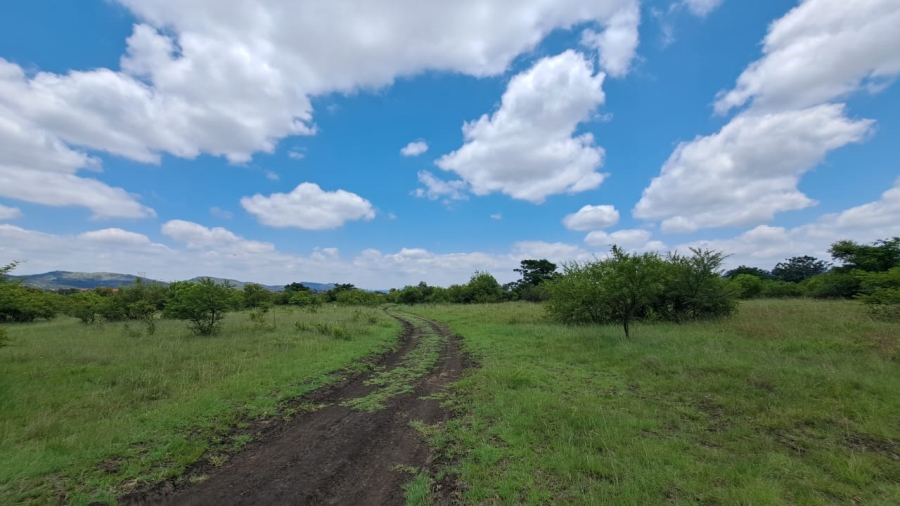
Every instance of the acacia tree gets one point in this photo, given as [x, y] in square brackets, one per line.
[203, 304]
[797, 269]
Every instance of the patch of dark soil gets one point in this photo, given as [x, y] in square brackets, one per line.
[332, 455]
[871, 444]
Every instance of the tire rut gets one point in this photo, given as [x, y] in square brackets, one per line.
[337, 454]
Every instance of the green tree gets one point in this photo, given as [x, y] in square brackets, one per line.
[747, 286]
[304, 298]
[22, 304]
[483, 288]
[535, 272]
[797, 269]
[882, 255]
[85, 306]
[256, 296]
[751, 271]
[694, 287]
[203, 304]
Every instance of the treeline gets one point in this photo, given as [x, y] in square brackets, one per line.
[867, 272]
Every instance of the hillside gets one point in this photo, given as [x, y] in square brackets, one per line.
[58, 280]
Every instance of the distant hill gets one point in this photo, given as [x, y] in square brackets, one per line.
[58, 280]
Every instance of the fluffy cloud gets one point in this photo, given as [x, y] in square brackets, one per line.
[184, 79]
[592, 218]
[618, 43]
[749, 171]
[437, 188]
[115, 237]
[8, 213]
[38, 167]
[746, 172]
[308, 207]
[821, 50]
[526, 149]
[196, 236]
[414, 148]
[628, 239]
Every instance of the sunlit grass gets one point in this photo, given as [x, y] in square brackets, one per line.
[788, 402]
[85, 409]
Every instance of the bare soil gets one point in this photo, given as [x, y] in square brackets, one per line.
[333, 455]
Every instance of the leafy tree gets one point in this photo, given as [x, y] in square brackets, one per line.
[694, 287]
[331, 295]
[751, 271]
[359, 298]
[882, 255]
[747, 286]
[304, 298]
[797, 269]
[203, 304]
[22, 304]
[773, 289]
[535, 272]
[256, 296]
[834, 284]
[619, 289]
[881, 294]
[86, 306]
[482, 288]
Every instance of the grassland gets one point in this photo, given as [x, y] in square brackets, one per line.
[88, 412]
[789, 402]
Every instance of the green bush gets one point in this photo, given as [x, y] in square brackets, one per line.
[203, 304]
[772, 289]
[833, 285]
[747, 286]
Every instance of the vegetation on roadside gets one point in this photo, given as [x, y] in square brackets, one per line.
[92, 411]
[787, 402]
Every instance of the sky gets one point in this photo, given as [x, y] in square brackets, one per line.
[389, 142]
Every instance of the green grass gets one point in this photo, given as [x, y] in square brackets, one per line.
[401, 379]
[90, 411]
[789, 402]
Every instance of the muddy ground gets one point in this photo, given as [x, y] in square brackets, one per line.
[335, 454]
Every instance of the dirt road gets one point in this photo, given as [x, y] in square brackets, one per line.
[356, 449]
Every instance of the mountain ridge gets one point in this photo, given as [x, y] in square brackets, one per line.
[61, 280]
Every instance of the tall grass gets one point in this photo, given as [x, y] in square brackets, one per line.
[788, 402]
[89, 411]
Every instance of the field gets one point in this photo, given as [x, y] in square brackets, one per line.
[789, 402]
[92, 411]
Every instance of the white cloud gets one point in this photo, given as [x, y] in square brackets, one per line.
[497, 216]
[618, 42]
[296, 155]
[743, 175]
[820, 51]
[414, 148]
[308, 207]
[592, 218]
[196, 236]
[526, 149]
[436, 188]
[765, 245]
[272, 176]
[630, 240]
[702, 8]
[746, 172]
[38, 167]
[115, 236]
[8, 213]
[234, 77]
[220, 213]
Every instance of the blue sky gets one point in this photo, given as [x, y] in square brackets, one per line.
[263, 140]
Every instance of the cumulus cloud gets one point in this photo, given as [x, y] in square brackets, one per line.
[746, 172]
[196, 236]
[438, 188]
[743, 175]
[414, 148]
[820, 51]
[38, 167]
[618, 43]
[527, 148]
[8, 213]
[764, 246]
[115, 236]
[592, 218]
[183, 82]
[630, 240]
[308, 207]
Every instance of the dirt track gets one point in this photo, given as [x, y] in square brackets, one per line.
[336, 454]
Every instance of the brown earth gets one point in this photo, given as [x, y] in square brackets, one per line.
[333, 455]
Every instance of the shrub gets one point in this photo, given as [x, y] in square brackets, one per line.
[747, 286]
[203, 304]
[781, 289]
[833, 285]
